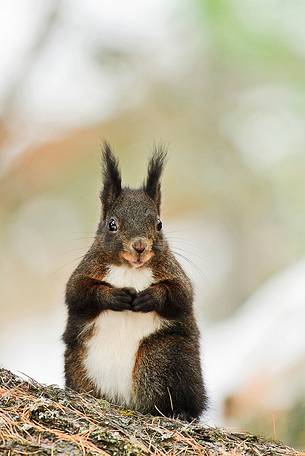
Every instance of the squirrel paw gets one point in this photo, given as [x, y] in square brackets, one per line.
[121, 299]
[144, 302]
[131, 291]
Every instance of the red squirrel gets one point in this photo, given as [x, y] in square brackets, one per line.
[131, 335]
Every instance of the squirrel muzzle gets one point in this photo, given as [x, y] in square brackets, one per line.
[138, 251]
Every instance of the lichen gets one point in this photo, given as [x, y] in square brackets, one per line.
[46, 420]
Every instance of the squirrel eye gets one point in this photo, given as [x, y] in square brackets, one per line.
[159, 225]
[112, 226]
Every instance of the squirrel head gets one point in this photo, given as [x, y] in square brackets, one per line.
[130, 229]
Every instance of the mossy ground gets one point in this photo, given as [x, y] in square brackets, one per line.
[47, 420]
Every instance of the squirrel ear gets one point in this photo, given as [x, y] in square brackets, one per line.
[111, 178]
[152, 185]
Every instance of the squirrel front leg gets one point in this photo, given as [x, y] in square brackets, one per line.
[88, 297]
[168, 298]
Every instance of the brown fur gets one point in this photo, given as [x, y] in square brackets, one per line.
[167, 376]
[76, 377]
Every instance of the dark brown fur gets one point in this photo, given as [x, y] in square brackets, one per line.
[167, 376]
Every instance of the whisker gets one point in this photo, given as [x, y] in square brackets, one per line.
[190, 252]
[185, 258]
[200, 257]
[178, 238]
[67, 254]
[82, 238]
[195, 266]
[68, 263]
[81, 233]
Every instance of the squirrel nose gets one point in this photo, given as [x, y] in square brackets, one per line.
[139, 245]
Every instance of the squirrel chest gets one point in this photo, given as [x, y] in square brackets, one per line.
[111, 351]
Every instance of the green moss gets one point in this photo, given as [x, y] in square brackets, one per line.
[127, 412]
[104, 404]
[114, 444]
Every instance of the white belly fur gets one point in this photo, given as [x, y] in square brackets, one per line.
[112, 349]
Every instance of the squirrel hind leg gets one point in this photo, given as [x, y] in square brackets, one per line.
[167, 384]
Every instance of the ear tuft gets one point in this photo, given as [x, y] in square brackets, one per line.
[152, 186]
[111, 178]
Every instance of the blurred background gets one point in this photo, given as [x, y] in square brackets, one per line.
[222, 83]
